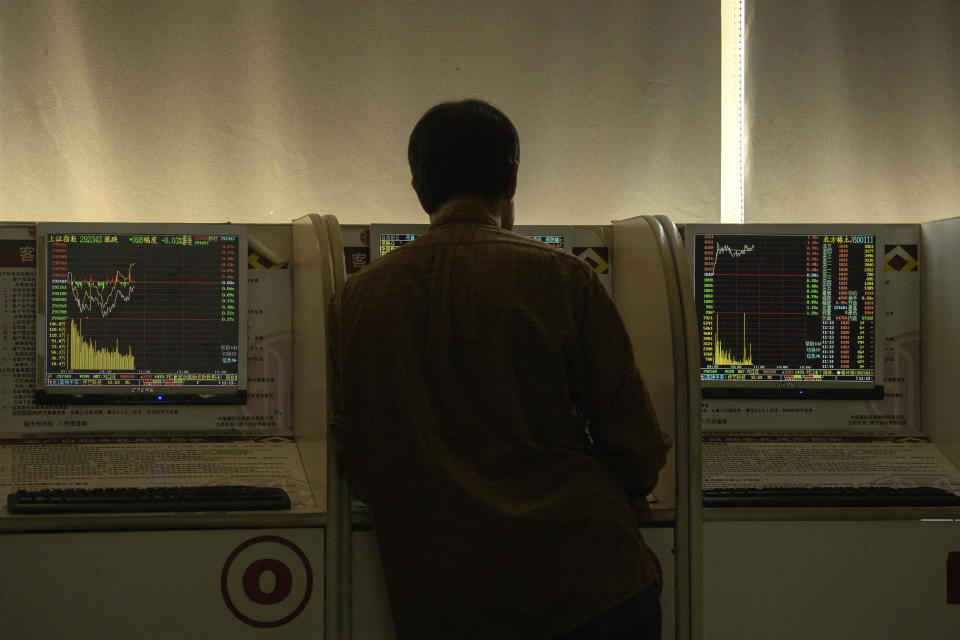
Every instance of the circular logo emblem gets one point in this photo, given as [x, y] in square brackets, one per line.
[266, 581]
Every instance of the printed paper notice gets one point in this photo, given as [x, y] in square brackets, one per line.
[152, 462]
[771, 462]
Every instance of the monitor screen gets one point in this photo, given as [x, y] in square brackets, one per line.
[786, 311]
[147, 313]
[553, 235]
[553, 241]
[391, 241]
[385, 237]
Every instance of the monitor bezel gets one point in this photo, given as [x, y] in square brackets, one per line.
[803, 389]
[528, 231]
[140, 394]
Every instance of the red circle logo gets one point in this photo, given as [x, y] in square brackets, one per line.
[266, 581]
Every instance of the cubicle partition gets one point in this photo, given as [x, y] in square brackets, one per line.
[866, 550]
[175, 574]
[652, 295]
[939, 338]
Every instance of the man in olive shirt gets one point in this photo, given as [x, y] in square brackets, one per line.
[491, 415]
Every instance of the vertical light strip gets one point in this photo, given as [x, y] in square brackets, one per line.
[742, 144]
[733, 138]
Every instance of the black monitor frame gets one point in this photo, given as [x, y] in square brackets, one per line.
[60, 319]
[742, 379]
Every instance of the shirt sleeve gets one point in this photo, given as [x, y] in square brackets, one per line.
[613, 398]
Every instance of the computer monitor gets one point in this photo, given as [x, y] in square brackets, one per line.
[141, 313]
[384, 237]
[786, 311]
[553, 241]
[553, 235]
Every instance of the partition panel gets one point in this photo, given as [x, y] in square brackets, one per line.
[939, 313]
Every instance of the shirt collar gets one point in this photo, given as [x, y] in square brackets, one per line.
[461, 211]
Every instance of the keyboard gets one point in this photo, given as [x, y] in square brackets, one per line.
[830, 497]
[149, 499]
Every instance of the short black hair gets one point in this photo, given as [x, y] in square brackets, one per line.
[464, 148]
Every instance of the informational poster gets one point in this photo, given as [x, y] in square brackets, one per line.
[803, 461]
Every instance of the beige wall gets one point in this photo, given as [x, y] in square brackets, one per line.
[851, 110]
[262, 111]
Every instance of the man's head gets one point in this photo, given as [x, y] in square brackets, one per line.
[463, 149]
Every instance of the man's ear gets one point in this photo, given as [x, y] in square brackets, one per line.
[512, 184]
[420, 198]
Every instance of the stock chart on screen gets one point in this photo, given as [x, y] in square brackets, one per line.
[783, 310]
[154, 312]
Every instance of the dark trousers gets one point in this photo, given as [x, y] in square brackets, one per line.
[638, 618]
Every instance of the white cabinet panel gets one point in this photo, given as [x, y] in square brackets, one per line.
[247, 583]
